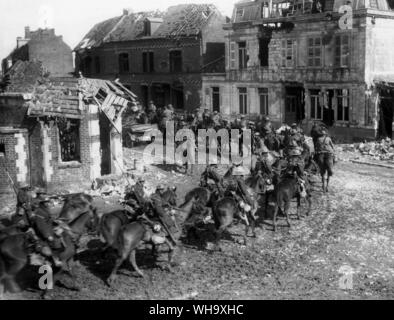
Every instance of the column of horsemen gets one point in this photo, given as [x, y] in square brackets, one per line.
[283, 160]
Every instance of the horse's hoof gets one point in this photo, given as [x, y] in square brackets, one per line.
[111, 280]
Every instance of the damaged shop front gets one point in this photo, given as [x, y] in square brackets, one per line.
[64, 133]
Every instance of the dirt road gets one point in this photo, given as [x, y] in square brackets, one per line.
[344, 249]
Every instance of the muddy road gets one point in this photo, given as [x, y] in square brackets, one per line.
[348, 236]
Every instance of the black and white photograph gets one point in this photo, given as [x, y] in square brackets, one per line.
[196, 150]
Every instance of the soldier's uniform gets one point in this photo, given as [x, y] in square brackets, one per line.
[160, 213]
[136, 196]
[210, 173]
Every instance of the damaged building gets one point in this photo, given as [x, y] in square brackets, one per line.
[45, 46]
[59, 131]
[157, 55]
[305, 61]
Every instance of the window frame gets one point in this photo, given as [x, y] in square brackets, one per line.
[124, 58]
[263, 94]
[315, 52]
[342, 51]
[242, 56]
[216, 92]
[243, 100]
[340, 96]
[314, 95]
[148, 63]
[173, 64]
[77, 159]
[285, 49]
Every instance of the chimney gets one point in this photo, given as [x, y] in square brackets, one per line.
[27, 32]
[127, 11]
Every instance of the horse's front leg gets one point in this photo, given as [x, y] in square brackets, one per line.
[323, 183]
[328, 180]
[134, 264]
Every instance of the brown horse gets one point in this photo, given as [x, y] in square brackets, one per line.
[74, 205]
[133, 234]
[16, 247]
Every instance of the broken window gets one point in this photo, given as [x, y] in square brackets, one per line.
[263, 95]
[342, 51]
[2, 150]
[243, 100]
[314, 52]
[288, 53]
[147, 61]
[242, 55]
[316, 106]
[176, 61]
[97, 64]
[216, 99]
[69, 140]
[263, 52]
[124, 62]
[342, 111]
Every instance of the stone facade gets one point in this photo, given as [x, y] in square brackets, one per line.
[306, 67]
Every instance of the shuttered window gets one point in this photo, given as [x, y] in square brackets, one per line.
[232, 56]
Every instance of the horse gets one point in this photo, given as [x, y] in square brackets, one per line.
[289, 187]
[223, 213]
[76, 204]
[16, 247]
[133, 234]
[325, 162]
[203, 194]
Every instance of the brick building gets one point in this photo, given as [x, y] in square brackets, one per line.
[158, 55]
[45, 46]
[300, 61]
[58, 131]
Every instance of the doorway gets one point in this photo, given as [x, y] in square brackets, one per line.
[386, 113]
[105, 144]
[294, 105]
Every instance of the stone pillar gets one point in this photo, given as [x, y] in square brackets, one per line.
[21, 158]
[46, 145]
[94, 134]
[117, 166]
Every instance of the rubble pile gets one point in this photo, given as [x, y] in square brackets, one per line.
[382, 150]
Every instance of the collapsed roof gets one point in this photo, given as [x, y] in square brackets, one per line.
[179, 20]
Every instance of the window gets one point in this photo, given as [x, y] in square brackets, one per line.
[242, 55]
[263, 51]
[87, 65]
[316, 107]
[124, 62]
[97, 65]
[265, 12]
[147, 27]
[69, 140]
[263, 95]
[342, 51]
[288, 53]
[2, 150]
[176, 61]
[148, 62]
[216, 99]
[314, 52]
[232, 55]
[342, 96]
[243, 100]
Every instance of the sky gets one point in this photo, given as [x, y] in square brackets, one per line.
[74, 18]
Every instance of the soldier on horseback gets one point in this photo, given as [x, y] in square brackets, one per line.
[211, 175]
[135, 197]
[161, 214]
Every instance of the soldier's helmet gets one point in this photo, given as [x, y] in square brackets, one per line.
[266, 118]
[294, 125]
